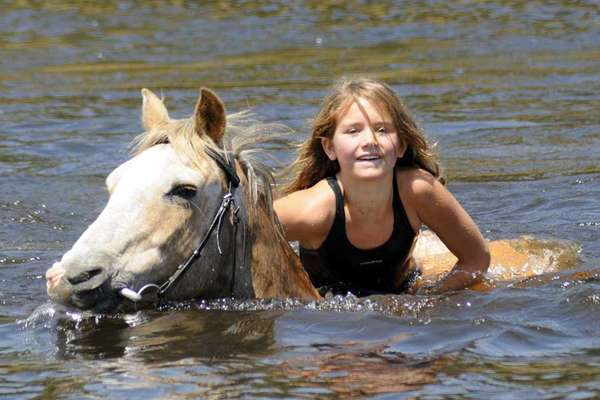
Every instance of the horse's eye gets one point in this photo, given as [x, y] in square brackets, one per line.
[184, 191]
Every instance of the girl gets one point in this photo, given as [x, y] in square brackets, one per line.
[364, 183]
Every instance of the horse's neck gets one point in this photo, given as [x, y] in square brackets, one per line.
[276, 268]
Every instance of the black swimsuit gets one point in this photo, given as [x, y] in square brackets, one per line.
[338, 266]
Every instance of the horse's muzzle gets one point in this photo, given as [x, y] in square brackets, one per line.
[86, 289]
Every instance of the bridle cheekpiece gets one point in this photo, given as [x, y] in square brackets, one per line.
[228, 203]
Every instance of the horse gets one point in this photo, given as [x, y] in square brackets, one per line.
[190, 216]
[191, 203]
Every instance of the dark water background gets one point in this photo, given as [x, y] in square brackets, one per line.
[509, 89]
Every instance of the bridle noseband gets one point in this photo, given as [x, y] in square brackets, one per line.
[230, 202]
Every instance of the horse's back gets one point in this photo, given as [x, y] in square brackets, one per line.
[511, 260]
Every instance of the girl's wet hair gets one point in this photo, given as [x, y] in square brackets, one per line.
[312, 163]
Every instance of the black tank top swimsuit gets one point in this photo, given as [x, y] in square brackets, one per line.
[340, 267]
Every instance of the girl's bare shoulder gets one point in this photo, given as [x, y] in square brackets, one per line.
[316, 201]
[307, 214]
[416, 182]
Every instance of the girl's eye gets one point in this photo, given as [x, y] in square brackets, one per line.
[351, 130]
[381, 130]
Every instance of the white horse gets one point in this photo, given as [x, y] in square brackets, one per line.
[178, 191]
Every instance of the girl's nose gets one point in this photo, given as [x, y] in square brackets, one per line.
[368, 137]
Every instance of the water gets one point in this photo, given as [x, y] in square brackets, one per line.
[509, 90]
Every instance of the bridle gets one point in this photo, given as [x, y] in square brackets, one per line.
[232, 203]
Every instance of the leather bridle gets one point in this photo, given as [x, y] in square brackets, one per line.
[232, 203]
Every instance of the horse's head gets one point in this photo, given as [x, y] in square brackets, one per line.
[161, 204]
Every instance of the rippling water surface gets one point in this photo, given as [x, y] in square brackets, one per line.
[509, 89]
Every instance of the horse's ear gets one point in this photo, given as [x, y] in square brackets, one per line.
[154, 111]
[210, 115]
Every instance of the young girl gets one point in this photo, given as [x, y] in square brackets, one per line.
[364, 183]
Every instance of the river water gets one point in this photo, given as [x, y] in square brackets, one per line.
[509, 89]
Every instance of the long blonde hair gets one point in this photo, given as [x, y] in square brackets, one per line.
[312, 163]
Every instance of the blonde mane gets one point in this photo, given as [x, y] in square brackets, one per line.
[246, 140]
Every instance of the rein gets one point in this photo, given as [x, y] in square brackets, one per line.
[228, 203]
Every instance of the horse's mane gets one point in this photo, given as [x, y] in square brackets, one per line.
[246, 140]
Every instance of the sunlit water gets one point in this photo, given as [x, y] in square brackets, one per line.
[509, 90]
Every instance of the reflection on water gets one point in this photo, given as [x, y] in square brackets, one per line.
[509, 91]
[343, 346]
[165, 337]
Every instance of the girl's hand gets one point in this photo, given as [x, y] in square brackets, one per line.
[456, 279]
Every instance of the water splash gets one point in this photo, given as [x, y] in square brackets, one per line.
[543, 256]
[40, 317]
[49, 314]
[404, 305]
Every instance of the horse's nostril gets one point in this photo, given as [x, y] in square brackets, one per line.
[84, 276]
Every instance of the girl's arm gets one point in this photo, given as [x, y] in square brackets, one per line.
[437, 208]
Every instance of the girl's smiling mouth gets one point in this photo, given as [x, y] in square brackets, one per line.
[369, 157]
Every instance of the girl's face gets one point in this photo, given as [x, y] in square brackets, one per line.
[365, 142]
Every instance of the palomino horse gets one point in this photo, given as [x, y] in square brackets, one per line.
[190, 216]
[183, 207]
